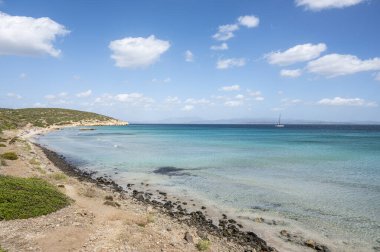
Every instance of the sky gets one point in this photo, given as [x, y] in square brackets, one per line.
[152, 61]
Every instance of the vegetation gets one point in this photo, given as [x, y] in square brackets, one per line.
[34, 161]
[203, 245]
[58, 176]
[9, 155]
[2, 139]
[2, 250]
[2, 162]
[22, 198]
[43, 117]
[2, 145]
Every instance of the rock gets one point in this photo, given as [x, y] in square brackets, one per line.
[310, 243]
[322, 248]
[163, 193]
[108, 197]
[188, 237]
[202, 235]
[259, 220]
[203, 207]
[61, 186]
[284, 233]
[139, 196]
[111, 203]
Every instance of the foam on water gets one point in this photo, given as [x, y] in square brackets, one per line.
[322, 178]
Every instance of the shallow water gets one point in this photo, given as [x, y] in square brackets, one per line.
[326, 178]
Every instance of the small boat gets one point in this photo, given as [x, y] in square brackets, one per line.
[279, 125]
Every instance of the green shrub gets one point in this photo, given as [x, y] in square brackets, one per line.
[9, 155]
[2, 250]
[203, 245]
[22, 198]
[2, 145]
[3, 139]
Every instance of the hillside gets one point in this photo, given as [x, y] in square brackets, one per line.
[43, 117]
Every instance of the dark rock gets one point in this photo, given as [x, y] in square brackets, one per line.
[108, 197]
[203, 207]
[162, 193]
[139, 196]
[310, 243]
[188, 237]
[111, 203]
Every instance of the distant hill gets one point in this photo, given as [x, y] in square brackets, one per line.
[43, 117]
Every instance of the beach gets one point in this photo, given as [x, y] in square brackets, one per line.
[260, 229]
[102, 217]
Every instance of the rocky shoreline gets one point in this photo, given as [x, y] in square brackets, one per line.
[226, 228]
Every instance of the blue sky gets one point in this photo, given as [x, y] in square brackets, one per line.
[153, 60]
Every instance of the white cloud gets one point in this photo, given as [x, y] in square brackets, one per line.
[84, 94]
[23, 76]
[172, 100]
[132, 99]
[188, 108]
[233, 103]
[13, 95]
[167, 80]
[225, 32]
[249, 21]
[239, 97]
[230, 63]
[20, 35]
[189, 56]
[254, 93]
[197, 101]
[291, 73]
[220, 47]
[338, 101]
[317, 5]
[298, 53]
[137, 52]
[230, 88]
[333, 65]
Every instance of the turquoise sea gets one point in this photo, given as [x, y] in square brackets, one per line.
[320, 178]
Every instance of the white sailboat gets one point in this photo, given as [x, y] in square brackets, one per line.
[279, 125]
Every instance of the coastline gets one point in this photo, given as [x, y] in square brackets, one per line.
[180, 223]
[274, 230]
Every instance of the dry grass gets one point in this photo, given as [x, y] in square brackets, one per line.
[59, 176]
[89, 192]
